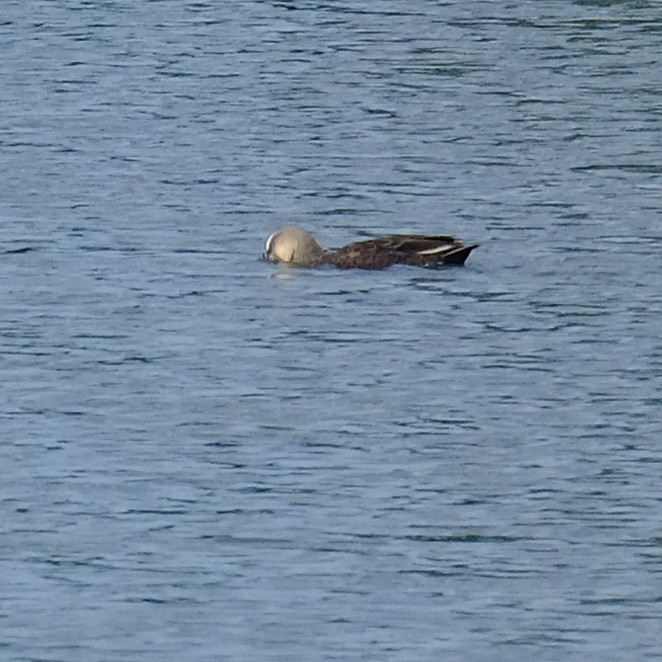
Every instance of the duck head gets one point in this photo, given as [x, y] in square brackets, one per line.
[293, 245]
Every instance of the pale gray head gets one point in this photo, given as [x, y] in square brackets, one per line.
[293, 245]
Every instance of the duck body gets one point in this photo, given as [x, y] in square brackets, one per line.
[296, 246]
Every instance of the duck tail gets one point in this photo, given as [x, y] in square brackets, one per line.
[459, 255]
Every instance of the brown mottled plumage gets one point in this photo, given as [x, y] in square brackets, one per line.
[294, 245]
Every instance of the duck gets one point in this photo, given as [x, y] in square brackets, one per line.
[293, 245]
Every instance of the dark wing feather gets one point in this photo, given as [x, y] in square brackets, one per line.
[371, 254]
[420, 250]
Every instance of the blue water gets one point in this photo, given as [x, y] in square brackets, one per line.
[206, 457]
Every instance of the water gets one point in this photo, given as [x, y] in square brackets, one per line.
[206, 457]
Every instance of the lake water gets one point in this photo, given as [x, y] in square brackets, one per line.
[207, 457]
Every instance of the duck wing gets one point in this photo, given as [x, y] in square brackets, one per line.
[420, 250]
[434, 251]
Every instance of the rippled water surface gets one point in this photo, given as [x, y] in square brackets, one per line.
[207, 457]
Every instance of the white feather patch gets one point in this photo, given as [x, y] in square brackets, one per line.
[267, 248]
[437, 250]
